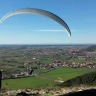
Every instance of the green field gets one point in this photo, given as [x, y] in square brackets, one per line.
[67, 73]
[24, 83]
[37, 83]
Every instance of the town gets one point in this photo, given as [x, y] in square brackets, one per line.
[17, 60]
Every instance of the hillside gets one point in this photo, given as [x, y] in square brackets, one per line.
[86, 79]
[90, 48]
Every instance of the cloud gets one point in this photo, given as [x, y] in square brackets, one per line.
[51, 30]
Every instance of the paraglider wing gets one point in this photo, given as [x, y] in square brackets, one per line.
[41, 12]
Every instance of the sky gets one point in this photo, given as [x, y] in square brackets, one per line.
[80, 16]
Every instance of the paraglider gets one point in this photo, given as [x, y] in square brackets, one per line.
[40, 12]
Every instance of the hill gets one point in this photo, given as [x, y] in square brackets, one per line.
[90, 48]
[86, 79]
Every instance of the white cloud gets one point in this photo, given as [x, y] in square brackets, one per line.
[51, 30]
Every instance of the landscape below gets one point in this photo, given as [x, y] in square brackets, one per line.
[55, 67]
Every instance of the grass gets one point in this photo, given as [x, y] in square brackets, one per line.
[39, 70]
[67, 73]
[24, 83]
[37, 83]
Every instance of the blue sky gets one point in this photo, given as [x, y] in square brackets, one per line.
[80, 15]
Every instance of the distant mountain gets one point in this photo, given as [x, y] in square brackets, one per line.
[86, 79]
[90, 48]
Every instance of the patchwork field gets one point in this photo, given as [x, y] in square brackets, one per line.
[39, 82]
[66, 73]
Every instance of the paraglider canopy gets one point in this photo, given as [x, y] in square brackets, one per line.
[40, 12]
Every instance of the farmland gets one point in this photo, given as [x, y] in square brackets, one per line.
[67, 73]
[37, 82]
[50, 63]
[25, 83]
